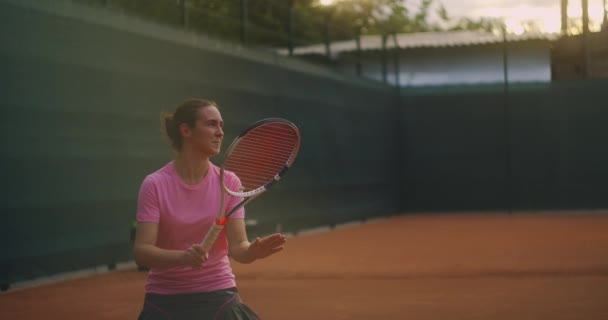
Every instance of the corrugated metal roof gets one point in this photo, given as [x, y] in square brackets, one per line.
[421, 40]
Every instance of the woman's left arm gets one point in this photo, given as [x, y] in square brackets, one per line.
[243, 251]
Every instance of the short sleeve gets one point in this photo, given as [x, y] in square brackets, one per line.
[148, 209]
[234, 183]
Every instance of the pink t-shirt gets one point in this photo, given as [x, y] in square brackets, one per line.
[184, 214]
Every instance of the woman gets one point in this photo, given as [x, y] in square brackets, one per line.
[177, 205]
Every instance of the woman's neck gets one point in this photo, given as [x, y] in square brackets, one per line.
[190, 168]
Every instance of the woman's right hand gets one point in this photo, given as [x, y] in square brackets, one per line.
[195, 256]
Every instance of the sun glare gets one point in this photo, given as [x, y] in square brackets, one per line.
[514, 26]
[327, 2]
[552, 25]
[531, 18]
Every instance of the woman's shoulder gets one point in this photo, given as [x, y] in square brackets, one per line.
[214, 169]
[229, 175]
[166, 172]
[231, 180]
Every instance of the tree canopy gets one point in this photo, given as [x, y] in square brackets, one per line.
[276, 23]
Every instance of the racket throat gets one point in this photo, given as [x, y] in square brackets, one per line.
[221, 221]
[276, 178]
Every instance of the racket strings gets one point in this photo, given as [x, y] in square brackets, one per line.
[255, 169]
[262, 153]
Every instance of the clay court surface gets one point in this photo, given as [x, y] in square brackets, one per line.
[431, 266]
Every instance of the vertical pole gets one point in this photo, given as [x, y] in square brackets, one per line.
[397, 60]
[505, 59]
[244, 16]
[184, 13]
[585, 7]
[564, 17]
[327, 36]
[384, 68]
[358, 62]
[507, 122]
[605, 21]
[586, 69]
[290, 18]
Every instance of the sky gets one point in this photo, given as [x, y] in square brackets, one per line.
[547, 13]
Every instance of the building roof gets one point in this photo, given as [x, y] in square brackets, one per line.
[420, 40]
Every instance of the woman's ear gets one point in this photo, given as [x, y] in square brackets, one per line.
[184, 130]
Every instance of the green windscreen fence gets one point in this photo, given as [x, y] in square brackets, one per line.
[523, 147]
[82, 90]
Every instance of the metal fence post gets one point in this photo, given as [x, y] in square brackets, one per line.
[244, 20]
[358, 54]
[397, 61]
[290, 22]
[507, 123]
[184, 13]
[384, 67]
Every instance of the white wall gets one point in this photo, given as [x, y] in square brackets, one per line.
[528, 61]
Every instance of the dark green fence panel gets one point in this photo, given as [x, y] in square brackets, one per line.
[81, 93]
[467, 150]
[454, 151]
[82, 90]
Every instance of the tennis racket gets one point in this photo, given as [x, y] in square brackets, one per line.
[259, 157]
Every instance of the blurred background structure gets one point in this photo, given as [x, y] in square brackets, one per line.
[404, 43]
[402, 109]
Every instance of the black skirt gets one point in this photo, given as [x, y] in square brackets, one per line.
[216, 305]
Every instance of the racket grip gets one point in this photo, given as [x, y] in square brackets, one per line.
[211, 236]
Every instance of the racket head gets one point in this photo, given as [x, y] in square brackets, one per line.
[260, 156]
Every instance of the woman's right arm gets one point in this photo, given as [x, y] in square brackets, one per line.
[147, 254]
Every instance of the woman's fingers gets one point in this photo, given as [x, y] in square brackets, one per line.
[274, 240]
[267, 246]
[196, 256]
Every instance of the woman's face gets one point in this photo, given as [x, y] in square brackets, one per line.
[207, 134]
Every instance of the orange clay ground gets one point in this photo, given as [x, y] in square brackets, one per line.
[431, 266]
